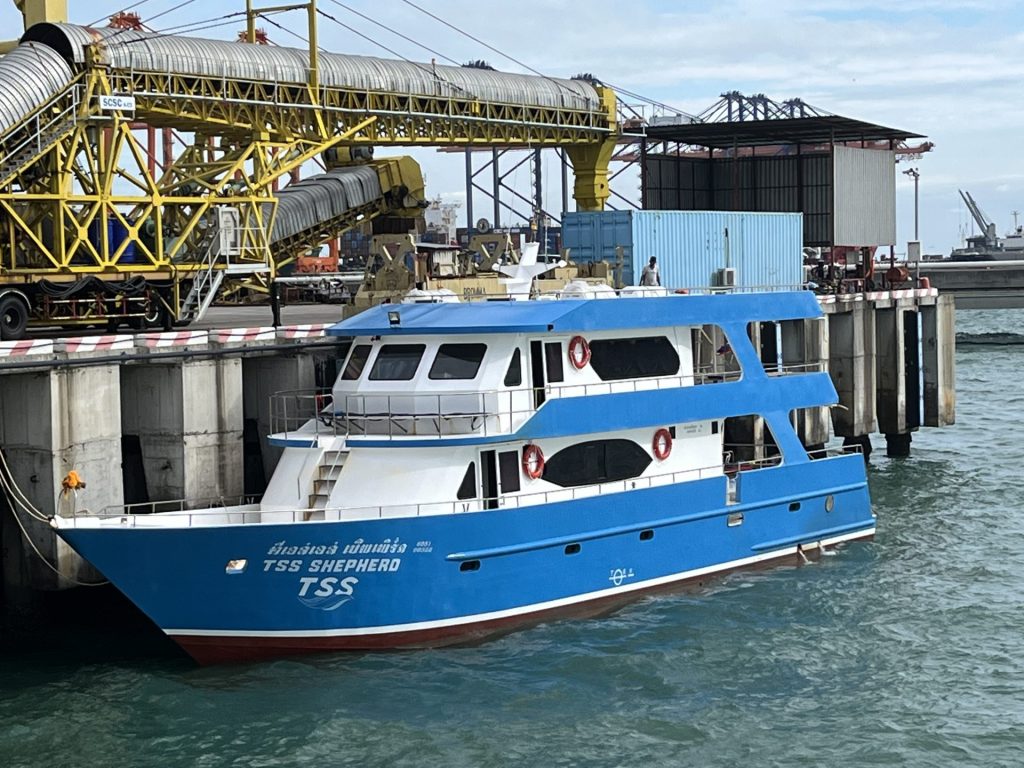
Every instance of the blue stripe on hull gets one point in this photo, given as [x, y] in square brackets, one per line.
[326, 577]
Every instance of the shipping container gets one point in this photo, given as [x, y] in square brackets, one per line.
[764, 249]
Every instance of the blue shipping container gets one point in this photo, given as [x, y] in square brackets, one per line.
[765, 249]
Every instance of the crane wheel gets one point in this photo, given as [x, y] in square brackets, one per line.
[13, 318]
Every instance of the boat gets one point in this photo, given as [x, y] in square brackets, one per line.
[988, 246]
[480, 467]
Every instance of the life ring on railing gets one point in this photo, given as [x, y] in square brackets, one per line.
[662, 444]
[322, 400]
[533, 461]
[579, 352]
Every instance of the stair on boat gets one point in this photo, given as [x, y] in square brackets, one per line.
[327, 472]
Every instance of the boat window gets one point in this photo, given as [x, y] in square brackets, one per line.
[356, 362]
[467, 488]
[514, 374]
[553, 356]
[397, 362]
[508, 471]
[457, 361]
[596, 461]
[639, 358]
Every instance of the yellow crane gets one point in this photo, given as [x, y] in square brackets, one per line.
[36, 12]
[91, 232]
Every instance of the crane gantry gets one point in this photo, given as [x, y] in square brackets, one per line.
[91, 230]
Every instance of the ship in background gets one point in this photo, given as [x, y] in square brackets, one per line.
[988, 246]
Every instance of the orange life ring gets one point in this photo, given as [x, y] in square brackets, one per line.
[579, 352]
[533, 461]
[662, 444]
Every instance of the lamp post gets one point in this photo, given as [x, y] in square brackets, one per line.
[913, 172]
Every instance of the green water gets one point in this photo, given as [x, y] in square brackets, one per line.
[905, 652]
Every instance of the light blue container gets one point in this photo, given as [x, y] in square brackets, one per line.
[765, 249]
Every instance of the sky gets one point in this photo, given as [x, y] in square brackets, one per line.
[949, 70]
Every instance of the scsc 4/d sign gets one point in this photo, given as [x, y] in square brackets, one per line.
[122, 103]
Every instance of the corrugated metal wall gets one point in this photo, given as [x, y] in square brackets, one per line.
[865, 196]
[780, 183]
[691, 246]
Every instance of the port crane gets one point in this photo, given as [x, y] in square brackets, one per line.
[93, 232]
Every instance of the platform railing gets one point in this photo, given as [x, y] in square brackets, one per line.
[308, 414]
[186, 513]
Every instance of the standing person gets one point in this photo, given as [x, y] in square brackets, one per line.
[650, 274]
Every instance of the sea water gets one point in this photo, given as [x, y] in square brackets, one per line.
[908, 651]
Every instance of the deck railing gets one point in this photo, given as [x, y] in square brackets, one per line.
[307, 414]
[185, 512]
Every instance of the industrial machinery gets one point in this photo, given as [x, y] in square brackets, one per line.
[93, 232]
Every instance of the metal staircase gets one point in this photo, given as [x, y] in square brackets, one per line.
[39, 133]
[219, 245]
[327, 473]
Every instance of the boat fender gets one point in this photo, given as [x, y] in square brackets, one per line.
[533, 461]
[579, 352]
[72, 481]
[662, 444]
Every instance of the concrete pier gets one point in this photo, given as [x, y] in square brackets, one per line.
[52, 422]
[881, 346]
[187, 417]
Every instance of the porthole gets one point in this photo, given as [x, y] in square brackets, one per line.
[572, 549]
[794, 506]
[469, 565]
[646, 535]
[830, 503]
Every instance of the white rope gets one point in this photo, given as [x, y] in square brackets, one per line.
[12, 489]
[12, 492]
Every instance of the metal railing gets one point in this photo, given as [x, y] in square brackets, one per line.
[246, 515]
[40, 130]
[311, 413]
[207, 505]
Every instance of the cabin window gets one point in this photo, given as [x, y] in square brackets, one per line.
[457, 361]
[397, 362]
[356, 362]
[467, 488]
[514, 374]
[596, 461]
[640, 358]
[508, 471]
[553, 357]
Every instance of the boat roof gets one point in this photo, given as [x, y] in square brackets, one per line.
[574, 315]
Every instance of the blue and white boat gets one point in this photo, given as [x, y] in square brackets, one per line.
[484, 466]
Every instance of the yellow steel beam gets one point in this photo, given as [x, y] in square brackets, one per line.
[38, 11]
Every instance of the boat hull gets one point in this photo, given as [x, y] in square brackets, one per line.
[458, 578]
[210, 649]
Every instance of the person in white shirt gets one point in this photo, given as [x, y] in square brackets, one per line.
[650, 274]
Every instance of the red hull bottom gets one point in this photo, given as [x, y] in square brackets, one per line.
[224, 649]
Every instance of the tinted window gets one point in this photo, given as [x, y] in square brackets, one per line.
[514, 374]
[597, 461]
[553, 354]
[457, 361]
[508, 471]
[397, 362]
[467, 488]
[356, 362]
[614, 359]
